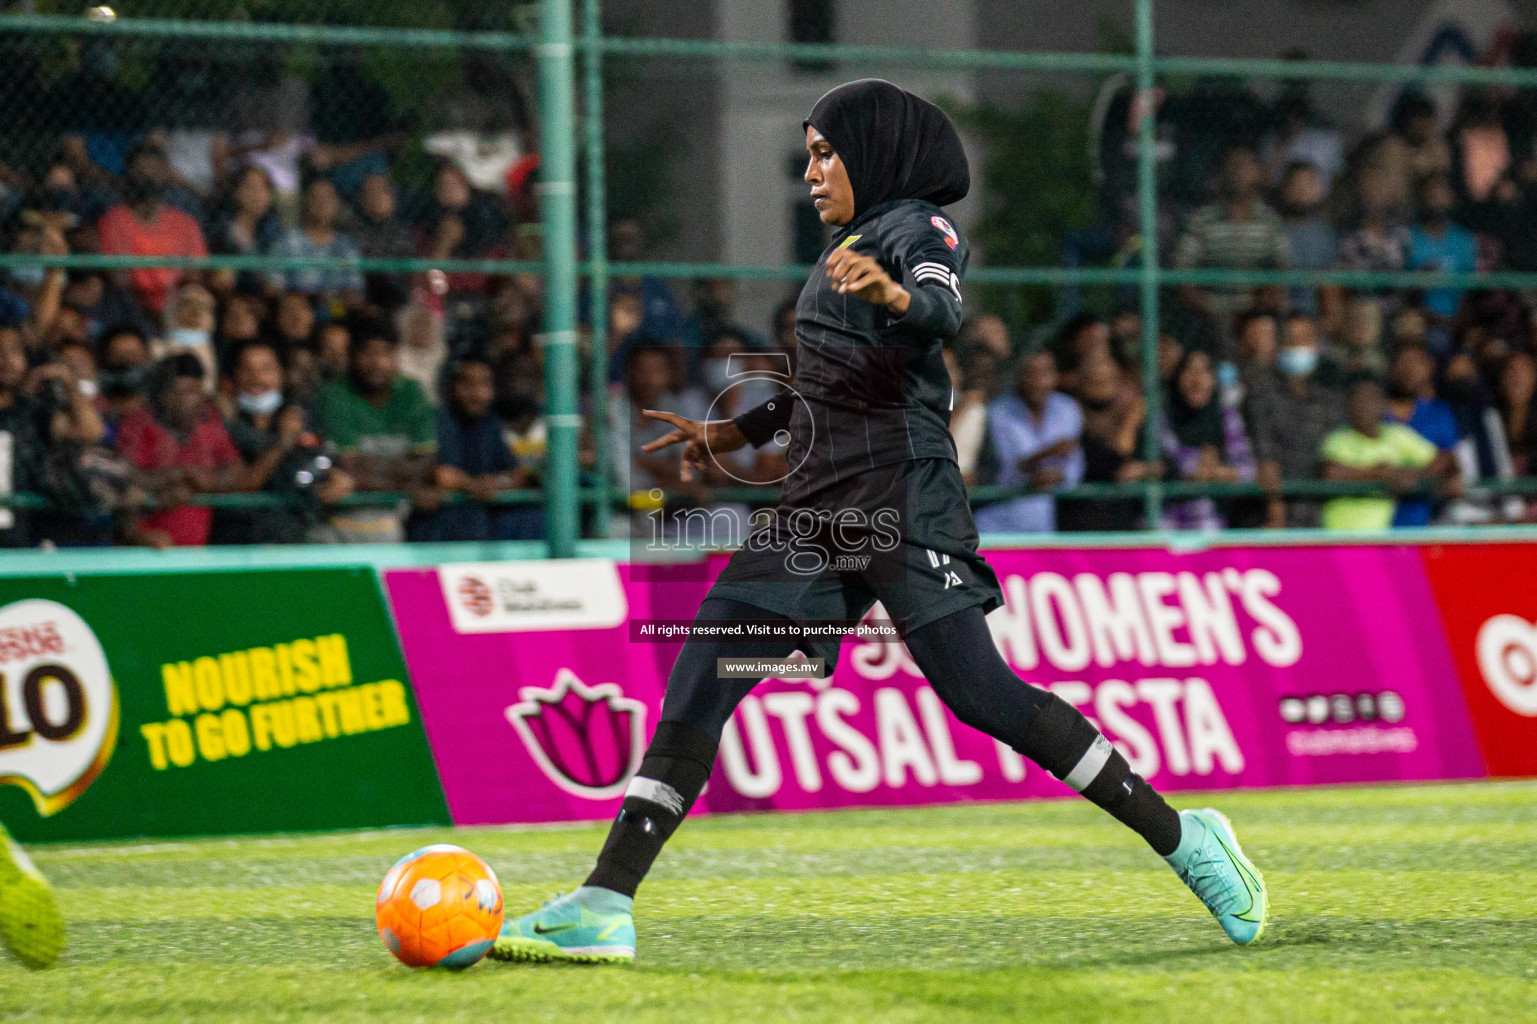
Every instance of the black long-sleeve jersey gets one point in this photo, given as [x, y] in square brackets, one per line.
[871, 389]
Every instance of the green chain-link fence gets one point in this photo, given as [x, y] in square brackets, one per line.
[1080, 204]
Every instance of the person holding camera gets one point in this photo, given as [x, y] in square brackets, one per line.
[38, 409]
[285, 457]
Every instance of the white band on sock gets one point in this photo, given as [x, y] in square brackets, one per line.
[1088, 766]
[657, 792]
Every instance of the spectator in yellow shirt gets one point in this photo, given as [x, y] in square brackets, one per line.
[1372, 450]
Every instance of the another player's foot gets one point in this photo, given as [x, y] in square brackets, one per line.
[31, 926]
[1210, 861]
[589, 926]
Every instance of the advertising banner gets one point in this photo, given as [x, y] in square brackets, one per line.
[1489, 606]
[209, 702]
[1223, 668]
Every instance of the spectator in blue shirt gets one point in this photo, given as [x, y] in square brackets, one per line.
[475, 462]
[1035, 436]
[320, 239]
[1435, 243]
[1412, 401]
[661, 316]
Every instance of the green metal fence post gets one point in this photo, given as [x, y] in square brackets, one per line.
[557, 192]
[597, 254]
[1147, 207]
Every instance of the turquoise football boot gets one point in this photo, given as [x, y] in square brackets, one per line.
[31, 926]
[1210, 861]
[589, 926]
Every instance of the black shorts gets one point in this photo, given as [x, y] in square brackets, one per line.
[902, 535]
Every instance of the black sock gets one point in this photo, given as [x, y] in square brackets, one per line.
[672, 774]
[1066, 744]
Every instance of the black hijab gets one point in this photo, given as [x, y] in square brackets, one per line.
[893, 144]
[1195, 427]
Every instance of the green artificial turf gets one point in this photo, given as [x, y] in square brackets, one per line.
[1391, 904]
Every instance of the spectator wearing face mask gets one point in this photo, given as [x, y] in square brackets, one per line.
[190, 318]
[63, 192]
[1292, 411]
[179, 443]
[145, 225]
[280, 452]
[121, 377]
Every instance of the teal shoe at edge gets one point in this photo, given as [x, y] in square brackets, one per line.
[589, 926]
[1210, 861]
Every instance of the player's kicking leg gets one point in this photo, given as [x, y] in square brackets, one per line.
[593, 924]
[957, 656]
[31, 926]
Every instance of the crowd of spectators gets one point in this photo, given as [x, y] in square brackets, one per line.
[387, 406]
[1424, 394]
[126, 393]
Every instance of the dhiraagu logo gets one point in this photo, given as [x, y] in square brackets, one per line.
[58, 704]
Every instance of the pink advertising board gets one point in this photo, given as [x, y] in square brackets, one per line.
[1236, 667]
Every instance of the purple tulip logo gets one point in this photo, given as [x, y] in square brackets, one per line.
[587, 739]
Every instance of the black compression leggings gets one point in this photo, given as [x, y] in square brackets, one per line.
[956, 654]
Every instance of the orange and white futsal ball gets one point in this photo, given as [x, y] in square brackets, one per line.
[440, 906]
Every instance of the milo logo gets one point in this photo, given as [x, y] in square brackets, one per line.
[58, 705]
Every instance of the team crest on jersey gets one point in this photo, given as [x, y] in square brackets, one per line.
[944, 228]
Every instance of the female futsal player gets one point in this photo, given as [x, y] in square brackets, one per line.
[873, 509]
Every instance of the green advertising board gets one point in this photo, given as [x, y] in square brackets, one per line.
[206, 702]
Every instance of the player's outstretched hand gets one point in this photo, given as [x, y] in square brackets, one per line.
[864, 278]
[698, 437]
